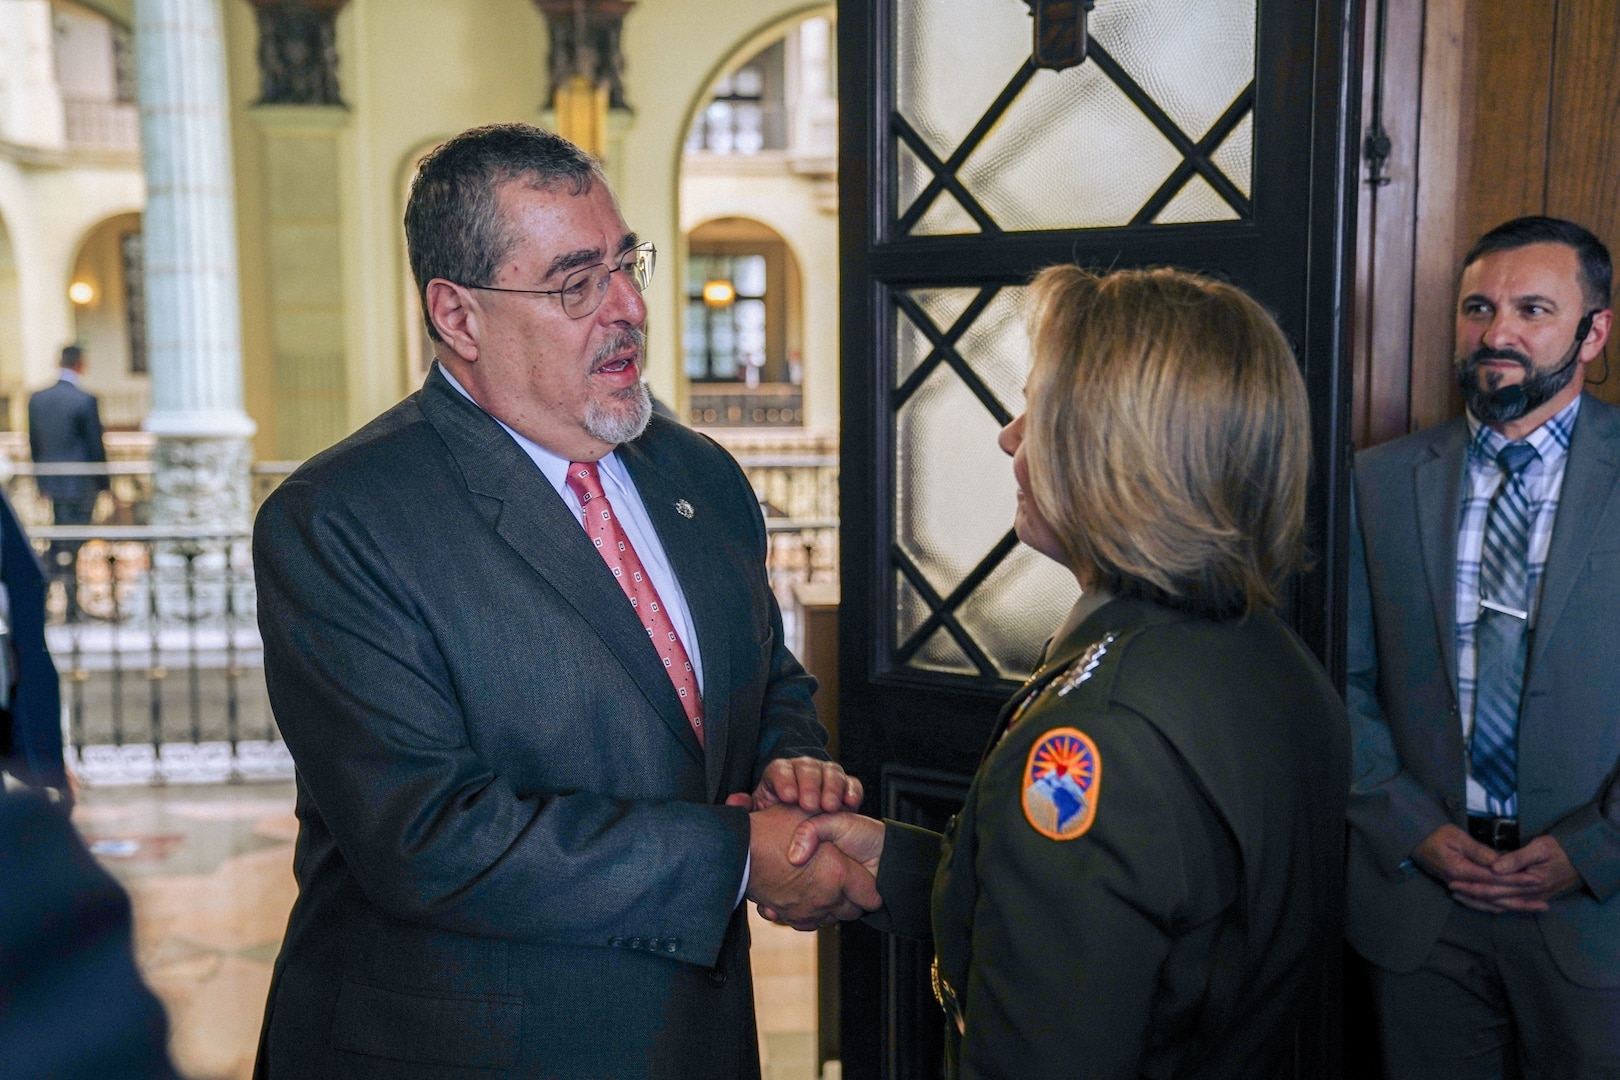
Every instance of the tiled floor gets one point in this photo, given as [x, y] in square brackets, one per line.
[209, 869]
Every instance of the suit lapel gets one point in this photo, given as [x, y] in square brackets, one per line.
[688, 543]
[1438, 482]
[538, 525]
[1590, 473]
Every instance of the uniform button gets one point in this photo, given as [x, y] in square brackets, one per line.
[672, 945]
[653, 944]
[1453, 803]
[717, 976]
[635, 943]
[615, 942]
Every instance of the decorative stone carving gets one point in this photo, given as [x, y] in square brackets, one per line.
[298, 55]
[585, 41]
[201, 495]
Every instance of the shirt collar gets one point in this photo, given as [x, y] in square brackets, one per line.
[68, 375]
[554, 466]
[1550, 441]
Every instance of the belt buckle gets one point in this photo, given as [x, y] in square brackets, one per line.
[1504, 833]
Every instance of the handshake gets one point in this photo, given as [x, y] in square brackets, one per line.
[813, 860]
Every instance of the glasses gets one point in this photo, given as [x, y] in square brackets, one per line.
[583, 290]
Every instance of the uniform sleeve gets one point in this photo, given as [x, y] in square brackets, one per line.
[1070, 936]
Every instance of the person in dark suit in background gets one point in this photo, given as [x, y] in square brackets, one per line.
[30, 694]
[520, 641]
[64, 425]
[1146, 878]
[1484, 688]
[72, 1005]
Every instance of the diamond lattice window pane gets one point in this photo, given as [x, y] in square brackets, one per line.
[1072, 152]
[952, 57]
[1235, 156]
[954, 493]
[944, 307]
[1193, 57]
[1012, 613]
[996, 347]
[941, 653]
[1196, 201]
[945, 217]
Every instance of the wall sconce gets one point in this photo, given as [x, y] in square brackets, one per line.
[81, 293]
[718, 293]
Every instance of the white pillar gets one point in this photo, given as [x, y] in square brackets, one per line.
[193, 320]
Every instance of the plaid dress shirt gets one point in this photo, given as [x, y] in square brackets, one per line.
[1543, 481]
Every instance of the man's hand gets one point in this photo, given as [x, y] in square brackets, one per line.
[823, 886]
[1527, 878]
[1486, 880]
[818, 787]
[860, 838]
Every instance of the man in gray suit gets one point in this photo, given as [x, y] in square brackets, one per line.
[64, 426]
[520, 641]
[1484, 688]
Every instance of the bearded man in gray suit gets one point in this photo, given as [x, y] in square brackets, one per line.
[521, 644]
[1484, 688]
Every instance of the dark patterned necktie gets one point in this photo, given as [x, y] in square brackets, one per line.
[609, 537]
[1503, 630]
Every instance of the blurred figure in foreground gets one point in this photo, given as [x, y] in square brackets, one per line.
[1147, 876]
[72, 1006]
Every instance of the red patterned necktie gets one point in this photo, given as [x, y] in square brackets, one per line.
[605, 532]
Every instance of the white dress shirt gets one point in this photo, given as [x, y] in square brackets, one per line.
[631, 513]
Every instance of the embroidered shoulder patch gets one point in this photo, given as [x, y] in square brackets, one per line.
[1061, 784]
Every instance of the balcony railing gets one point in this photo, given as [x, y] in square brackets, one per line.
[102, 125]
[154, 628]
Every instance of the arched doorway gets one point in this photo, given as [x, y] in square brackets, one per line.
[743, 349]
[758, 180]
[109, 318]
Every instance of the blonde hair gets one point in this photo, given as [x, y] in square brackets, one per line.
[1167, 436]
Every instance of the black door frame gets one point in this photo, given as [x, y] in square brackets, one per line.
[913, 737]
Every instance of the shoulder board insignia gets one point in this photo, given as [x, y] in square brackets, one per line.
[1082, 668]
[1061, 784]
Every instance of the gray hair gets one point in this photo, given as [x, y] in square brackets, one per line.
[454, 228]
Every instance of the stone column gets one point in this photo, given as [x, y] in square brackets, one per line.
[193, 317]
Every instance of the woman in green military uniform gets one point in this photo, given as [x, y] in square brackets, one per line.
[1146, 877]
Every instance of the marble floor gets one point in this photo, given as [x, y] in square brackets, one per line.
[209, 869]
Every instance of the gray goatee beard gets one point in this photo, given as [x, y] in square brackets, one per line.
[625, 416]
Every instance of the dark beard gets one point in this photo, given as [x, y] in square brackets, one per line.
[1494, 403]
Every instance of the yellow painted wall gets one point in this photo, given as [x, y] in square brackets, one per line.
[414, 72]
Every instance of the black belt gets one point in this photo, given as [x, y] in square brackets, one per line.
[1501, 833]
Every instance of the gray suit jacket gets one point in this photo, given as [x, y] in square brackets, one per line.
[511, 856]
[64, 424]
[1408, 746]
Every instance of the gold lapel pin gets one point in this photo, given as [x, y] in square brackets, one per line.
[684, 508]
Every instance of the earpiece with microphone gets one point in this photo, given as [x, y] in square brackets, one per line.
[1509, 399]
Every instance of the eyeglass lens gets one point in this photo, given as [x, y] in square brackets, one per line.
[583, 293]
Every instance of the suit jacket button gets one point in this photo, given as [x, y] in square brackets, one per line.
[717, 976]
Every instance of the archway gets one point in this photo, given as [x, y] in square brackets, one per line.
[758, 179]
[743, 348]
[109, 317]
